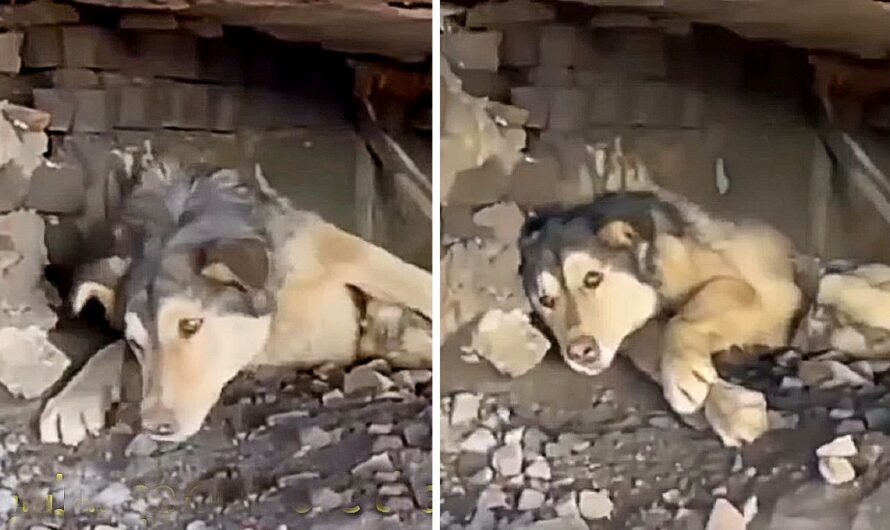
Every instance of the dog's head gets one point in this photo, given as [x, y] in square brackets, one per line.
[590, 283]
[192, 302]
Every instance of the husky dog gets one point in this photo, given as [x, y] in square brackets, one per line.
[596, 273]
[211, 276]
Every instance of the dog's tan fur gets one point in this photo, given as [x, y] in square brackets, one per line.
[736, 292]
[316, 321]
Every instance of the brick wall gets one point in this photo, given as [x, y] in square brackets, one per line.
[692, 102]
[239, 100]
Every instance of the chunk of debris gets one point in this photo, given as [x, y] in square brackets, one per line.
[465, 408]
[595, 504]
[507, 460]
[29, 363]
[504, 219]
[509, 342]
[836, 471]
[376, 464]
[364, 378]
[725, 516]
[480, 441]
[737, 414]
[840, 447]
[750, 509]
[141, 445]
[830, 374]
[529, 500]
[539, 469]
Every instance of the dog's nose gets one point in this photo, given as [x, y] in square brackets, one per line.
[583, 348]
[159, 422]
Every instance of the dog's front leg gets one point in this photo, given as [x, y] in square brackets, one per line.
[78, 410]
[721, 313]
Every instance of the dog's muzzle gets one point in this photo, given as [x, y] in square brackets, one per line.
[583, 355]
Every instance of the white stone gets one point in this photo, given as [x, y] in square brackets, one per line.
[538, 469]
[530, 499]
[29, 363]
[509, 342]
[841, 447]
[737, 414]
[595, 504]
[480, 441]
[725, 516]
[836, 470]
[507, 460]
[465, 408]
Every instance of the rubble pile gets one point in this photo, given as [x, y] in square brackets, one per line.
[331, 449]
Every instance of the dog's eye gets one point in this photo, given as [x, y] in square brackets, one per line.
[547, 301]
[592, 279]
[189, 326]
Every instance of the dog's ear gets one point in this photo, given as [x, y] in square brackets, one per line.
[243, 262]
[619, 234]
[98, 281]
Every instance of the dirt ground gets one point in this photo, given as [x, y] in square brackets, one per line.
[615, 433]
[281, 450]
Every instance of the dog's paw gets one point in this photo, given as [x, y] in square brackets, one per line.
[74, 414]
[738, 415]
[396, 334]
[79, 409]
[686, 381]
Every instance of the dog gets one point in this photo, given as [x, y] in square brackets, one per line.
[595, 274]
[210, 276]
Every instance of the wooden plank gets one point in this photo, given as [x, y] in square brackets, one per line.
[819, 199]
[365, 191]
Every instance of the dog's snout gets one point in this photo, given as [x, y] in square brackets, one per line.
[159, 422]
[584, 347]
